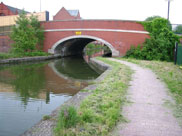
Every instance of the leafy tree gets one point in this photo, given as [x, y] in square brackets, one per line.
[178, 29]
[155, 17]
[161, 44]
[152, 18]
[38, 30]
[26, 34]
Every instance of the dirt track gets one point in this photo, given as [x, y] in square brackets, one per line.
[147, 114]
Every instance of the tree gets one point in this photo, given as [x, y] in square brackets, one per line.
[161, 44]
[26, 34]
[178, 29]
[38, 30]
[155, 17]
[152, 18]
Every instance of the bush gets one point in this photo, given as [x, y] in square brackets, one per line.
[152, 18]
[178, 29]
[26, 34]
[161, 44]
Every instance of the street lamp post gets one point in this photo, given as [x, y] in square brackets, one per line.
[40, 5]
[168, 8]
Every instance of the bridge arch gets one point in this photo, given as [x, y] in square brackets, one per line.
[73, 45]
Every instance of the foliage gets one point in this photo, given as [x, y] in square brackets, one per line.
[178, 29]
[152, 18]
[38, 30]
[101, 110]
[35, 53]
[26, 34]
[91, 49]
[25, 54]
[6, 56]
[161, 44]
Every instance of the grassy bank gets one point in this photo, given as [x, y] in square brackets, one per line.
[26, 54]
[172, 75]
[100, 111]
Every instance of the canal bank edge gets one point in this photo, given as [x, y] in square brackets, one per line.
[45, 127]
[28, 59]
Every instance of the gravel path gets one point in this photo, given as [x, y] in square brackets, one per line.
[147, 114]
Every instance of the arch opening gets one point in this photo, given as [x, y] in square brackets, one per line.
[74, 45]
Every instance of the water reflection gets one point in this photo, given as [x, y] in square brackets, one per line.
[74, 69]
[32, 90]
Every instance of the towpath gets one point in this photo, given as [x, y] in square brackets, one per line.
[147, 114]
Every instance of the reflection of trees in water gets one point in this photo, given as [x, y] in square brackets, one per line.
[75, 68]
[27, 79]
[30, 79]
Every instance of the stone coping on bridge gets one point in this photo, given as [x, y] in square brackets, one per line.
[94, 20]
[28, 59]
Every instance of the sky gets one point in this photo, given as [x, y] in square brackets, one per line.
[106, 9]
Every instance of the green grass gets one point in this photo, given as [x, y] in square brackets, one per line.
[169, 73]
[46, 117]
[7, 55]
[26, 54]
[68, 118]
[101, 111]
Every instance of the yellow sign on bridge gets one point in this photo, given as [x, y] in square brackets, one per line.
[78, 33]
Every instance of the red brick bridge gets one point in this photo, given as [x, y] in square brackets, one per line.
[69, 37]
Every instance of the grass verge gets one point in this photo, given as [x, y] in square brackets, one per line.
[26, 54]
[101, 110]
[172, 75]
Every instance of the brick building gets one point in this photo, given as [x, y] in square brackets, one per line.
[6, 10]
[8, 17]
[64, 14]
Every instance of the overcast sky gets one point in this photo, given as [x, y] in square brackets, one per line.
[106, 9]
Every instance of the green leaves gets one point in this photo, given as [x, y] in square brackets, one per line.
[26, 34]
[178, 29]
[161, 44]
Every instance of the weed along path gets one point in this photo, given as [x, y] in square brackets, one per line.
[147, 113]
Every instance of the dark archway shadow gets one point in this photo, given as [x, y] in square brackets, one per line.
[74, 45]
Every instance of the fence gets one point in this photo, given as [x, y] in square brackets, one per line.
[178, 54]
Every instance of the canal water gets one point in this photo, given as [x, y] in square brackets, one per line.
[30, 91]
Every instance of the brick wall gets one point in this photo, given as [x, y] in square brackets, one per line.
[4, 10]
[121, 41]
[64, 15]
[5, 43]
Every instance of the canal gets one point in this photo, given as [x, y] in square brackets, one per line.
[32, 90]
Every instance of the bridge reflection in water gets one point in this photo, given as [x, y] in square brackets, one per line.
[29, 91]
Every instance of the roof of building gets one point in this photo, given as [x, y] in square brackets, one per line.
[15, 10]
[73, 12]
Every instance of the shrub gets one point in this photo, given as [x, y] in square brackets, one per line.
[152, 18]
[178, 29]
[161, 44]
